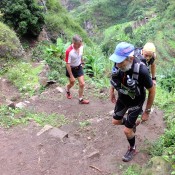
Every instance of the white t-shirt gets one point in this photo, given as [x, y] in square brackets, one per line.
[74, 57]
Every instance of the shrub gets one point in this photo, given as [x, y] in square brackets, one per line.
[24, 77]
[10, 46]
[25, 16]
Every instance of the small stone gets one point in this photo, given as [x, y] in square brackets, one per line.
[94, 154]
[27, 102]
[21, 105]
[44, 129]
[60, 90]
[111, 112]
[89, 138]
[45, 93]
[51, 82]
[58, 133]
[4, 80]
[10, 104]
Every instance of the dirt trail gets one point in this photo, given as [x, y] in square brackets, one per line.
[8, 91]
[95, 149]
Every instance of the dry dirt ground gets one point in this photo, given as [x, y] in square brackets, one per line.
[95, 149]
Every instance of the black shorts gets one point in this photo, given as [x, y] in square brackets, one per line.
[133, 112]
[77, 72]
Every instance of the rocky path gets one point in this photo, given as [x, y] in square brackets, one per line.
[88, 145]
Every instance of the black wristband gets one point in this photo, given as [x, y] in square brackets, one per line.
[154, 78]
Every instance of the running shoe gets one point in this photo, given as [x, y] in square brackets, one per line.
[83, 101]
[129, 155]
[69, 96]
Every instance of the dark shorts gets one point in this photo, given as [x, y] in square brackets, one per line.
[133, 112]
[77, 72]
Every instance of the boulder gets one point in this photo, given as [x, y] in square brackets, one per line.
[58, 133]
[21, 105]
[158, 166]
[44, 129]
[60, 89]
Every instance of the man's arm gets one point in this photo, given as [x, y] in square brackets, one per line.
[112, 95]
[153, 70]
[151, 96]
[70, 71]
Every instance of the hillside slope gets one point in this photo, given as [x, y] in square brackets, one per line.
[9, 43]
[60, 24]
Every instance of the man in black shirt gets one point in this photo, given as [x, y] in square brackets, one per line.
[130, 78]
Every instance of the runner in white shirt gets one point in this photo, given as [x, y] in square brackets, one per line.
[74, 67]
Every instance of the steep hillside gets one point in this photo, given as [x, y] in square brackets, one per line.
[158, 28]
[94, 15]
[60, 24]
[109, 22]
[10, 46]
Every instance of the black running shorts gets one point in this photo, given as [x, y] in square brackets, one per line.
[77, 72]
[133, 113]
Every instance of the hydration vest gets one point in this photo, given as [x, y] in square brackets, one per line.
[135, 76]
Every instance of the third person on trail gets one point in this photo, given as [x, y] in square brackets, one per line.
[130, 77]
[74, 69]
[147, 55]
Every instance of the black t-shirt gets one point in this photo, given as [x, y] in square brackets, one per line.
[144, 81]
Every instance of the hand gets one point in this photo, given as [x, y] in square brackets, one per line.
[145, 116]
[113, 99]
[154, 82]
[83, 65]
[72, 79]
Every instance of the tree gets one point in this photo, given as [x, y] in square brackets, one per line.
[24, 16]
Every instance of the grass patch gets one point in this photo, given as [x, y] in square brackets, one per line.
[83, 124]
[133, 170]
[24, 76]
[165, 145]
[12, 117]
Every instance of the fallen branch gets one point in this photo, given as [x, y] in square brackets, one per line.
[94, 167]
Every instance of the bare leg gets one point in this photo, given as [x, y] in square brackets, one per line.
[70, 85]
[81, 86]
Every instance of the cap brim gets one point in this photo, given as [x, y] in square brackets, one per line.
[118, 59]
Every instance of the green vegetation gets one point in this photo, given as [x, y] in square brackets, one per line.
[132, 170]
[53, 54]
[24, 16]
[83, 124]
[60, 24]
[24, 76]
[113, 21]
[9, 44]
[165, 146]
[11, 117]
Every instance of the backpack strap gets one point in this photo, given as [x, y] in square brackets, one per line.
[136, 70]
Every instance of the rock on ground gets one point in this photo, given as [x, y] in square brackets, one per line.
[58, 133]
